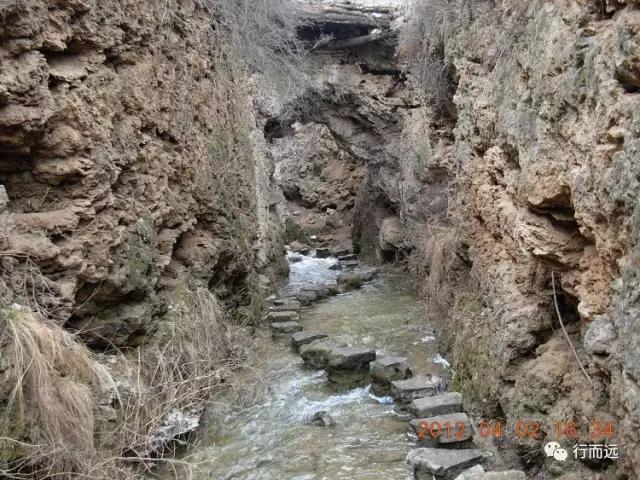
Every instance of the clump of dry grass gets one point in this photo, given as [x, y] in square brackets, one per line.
[432, 264]
[56, 388]
[53, 382]
[196, 353]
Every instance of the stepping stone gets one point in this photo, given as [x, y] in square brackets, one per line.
[506, 475]
[336, 266]
[285, 328]
[448, 429]
[306, 297]
[387, 369]
[341, 252]
[306, 336]
[347, 257]
[405, 391]
[450, 402]
[350, 358]
[352, 264]
[316, 353]
[472, 473]
[441, 462]
[281, 301]
[323, 253]
[288, 316]
[291, 305]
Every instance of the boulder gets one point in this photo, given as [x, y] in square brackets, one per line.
[442, 462]
[350, 358]
[304, 337]
[443, 429]
[336, 266]
[450, 402]
[316, 353]
[285, 328]
[286, 316]
[388, 369]
[391, 235]
[405, 391]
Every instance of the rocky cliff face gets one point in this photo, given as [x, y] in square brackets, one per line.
[129, 164]
[541, 149]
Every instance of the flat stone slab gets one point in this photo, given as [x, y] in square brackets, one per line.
[306, 336]
[350, 358]
[290, 306]
[472, 473]
[405, 391]
[442, 462]
[480, 474]
[443, 429]
[282, 301]
[387, 369]
[287, 316]
[347, 257]
[323, 252]
[285, 328]
[506, 475]
[316, 353]
[450, 402]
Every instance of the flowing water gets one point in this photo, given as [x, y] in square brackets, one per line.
[270, 438]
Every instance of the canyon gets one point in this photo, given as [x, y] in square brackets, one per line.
[155, 160]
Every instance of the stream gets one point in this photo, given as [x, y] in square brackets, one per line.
[265, 434]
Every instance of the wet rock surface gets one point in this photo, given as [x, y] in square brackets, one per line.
[303, 338]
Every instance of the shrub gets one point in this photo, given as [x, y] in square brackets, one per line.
[264, 34]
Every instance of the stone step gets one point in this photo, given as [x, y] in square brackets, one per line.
[283, 300]
[285, 328]
[388, 369]
[350, 358]
[442, 463]
[405, 391]
[286, 316]
[482, 475]
[347, 257]
[291, 305]
[442, 429]
[306, 297]
[322, 252]
[304, 337]
[450, 402]
[316, 353]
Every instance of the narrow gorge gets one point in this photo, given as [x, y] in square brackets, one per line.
[318, 239]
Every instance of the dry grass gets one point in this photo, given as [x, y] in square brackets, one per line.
[53, 382]
[431, 265]
[57, 387]
[199, 351]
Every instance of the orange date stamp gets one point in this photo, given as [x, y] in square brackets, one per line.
[521, 429]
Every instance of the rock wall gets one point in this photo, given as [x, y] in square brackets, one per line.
[131, 164]
[540, 154]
